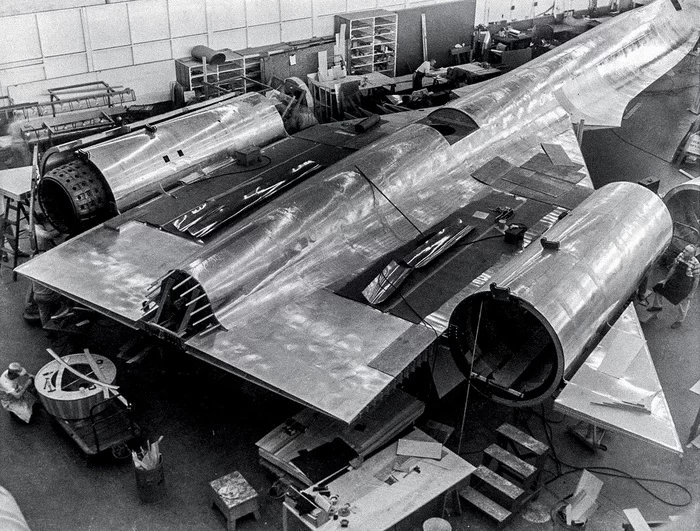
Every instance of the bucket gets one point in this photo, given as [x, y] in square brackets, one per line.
[151, 483]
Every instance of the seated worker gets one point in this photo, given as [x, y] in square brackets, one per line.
[680, 284]
[16, 394]
[422, 71]
[43, 303]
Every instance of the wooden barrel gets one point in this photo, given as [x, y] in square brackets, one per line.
[65, 395]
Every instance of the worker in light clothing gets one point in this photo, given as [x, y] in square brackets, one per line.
[680, 284]
[422, 71]
[16, 391]
[11, 517]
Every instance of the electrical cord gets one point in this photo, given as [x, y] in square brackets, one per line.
[389, 200]
[611, 472]
[639, 147]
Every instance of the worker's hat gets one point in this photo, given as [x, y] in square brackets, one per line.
[15, 367]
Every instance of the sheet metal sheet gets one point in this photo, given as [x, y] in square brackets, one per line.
[316, 349]
[539, 182]
[110, 270]
[557, 155]
[493, 170]
[591, 384]
[541, 164]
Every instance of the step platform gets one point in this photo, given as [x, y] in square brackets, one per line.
[486, 505]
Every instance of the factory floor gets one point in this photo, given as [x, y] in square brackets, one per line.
[210, 420]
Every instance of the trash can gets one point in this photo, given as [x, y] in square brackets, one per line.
[150, 483]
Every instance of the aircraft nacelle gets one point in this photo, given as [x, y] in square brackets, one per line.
[533, 323]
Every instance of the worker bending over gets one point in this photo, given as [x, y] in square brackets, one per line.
[16, 391]
[680, 284]
[422, 71]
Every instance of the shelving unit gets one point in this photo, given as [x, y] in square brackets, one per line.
[371, 41]
[239, 75]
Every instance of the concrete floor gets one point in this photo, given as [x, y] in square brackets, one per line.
[211, 420]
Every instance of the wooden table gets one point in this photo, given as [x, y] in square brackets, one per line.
[15, 187]
[379, 506]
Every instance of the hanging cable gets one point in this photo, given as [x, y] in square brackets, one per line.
[389, 200]
[469, 380]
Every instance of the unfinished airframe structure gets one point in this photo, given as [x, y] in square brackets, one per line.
[262, 267]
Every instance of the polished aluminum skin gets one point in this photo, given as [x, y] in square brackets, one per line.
[270, 276]
[135, 165]
[110, 271]
[634, 377]
[607, 245]
[331, 227]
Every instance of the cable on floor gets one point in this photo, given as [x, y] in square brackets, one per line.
[612, 472]
[639, 147]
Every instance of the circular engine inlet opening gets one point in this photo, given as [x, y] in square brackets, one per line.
[517, 360]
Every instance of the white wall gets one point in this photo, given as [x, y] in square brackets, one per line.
[49, 43]
[494, 11]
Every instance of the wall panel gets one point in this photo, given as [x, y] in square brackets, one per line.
[151, 82]
[263, 35]
[108, 26]
[187, 17]
[152, 52]
[112, 58]
[294, 9]
[183, 45]
[235, 39]
[297, 30]
[360, 5]
[66, 65]
[19, 39]
[447, 24]
[37, 91]
[329, 7]
[262, 11]
[22, 74]
[226, 14]
[148, 20]
[18, 7]
[61, 32]
[324, 26]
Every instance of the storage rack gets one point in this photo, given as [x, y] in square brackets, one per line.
[371, 41]
[238, 75]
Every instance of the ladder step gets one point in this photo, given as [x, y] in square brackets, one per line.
[510, 462]
[498, 483]
[486, 505]
[523, 439]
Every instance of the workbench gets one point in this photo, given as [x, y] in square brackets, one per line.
[15, 188]
[325, 93]
[374, 503]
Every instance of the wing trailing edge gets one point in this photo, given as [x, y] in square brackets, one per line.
[617, 388]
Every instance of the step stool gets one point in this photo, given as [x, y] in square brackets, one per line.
[234, 497]
[508, 476]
